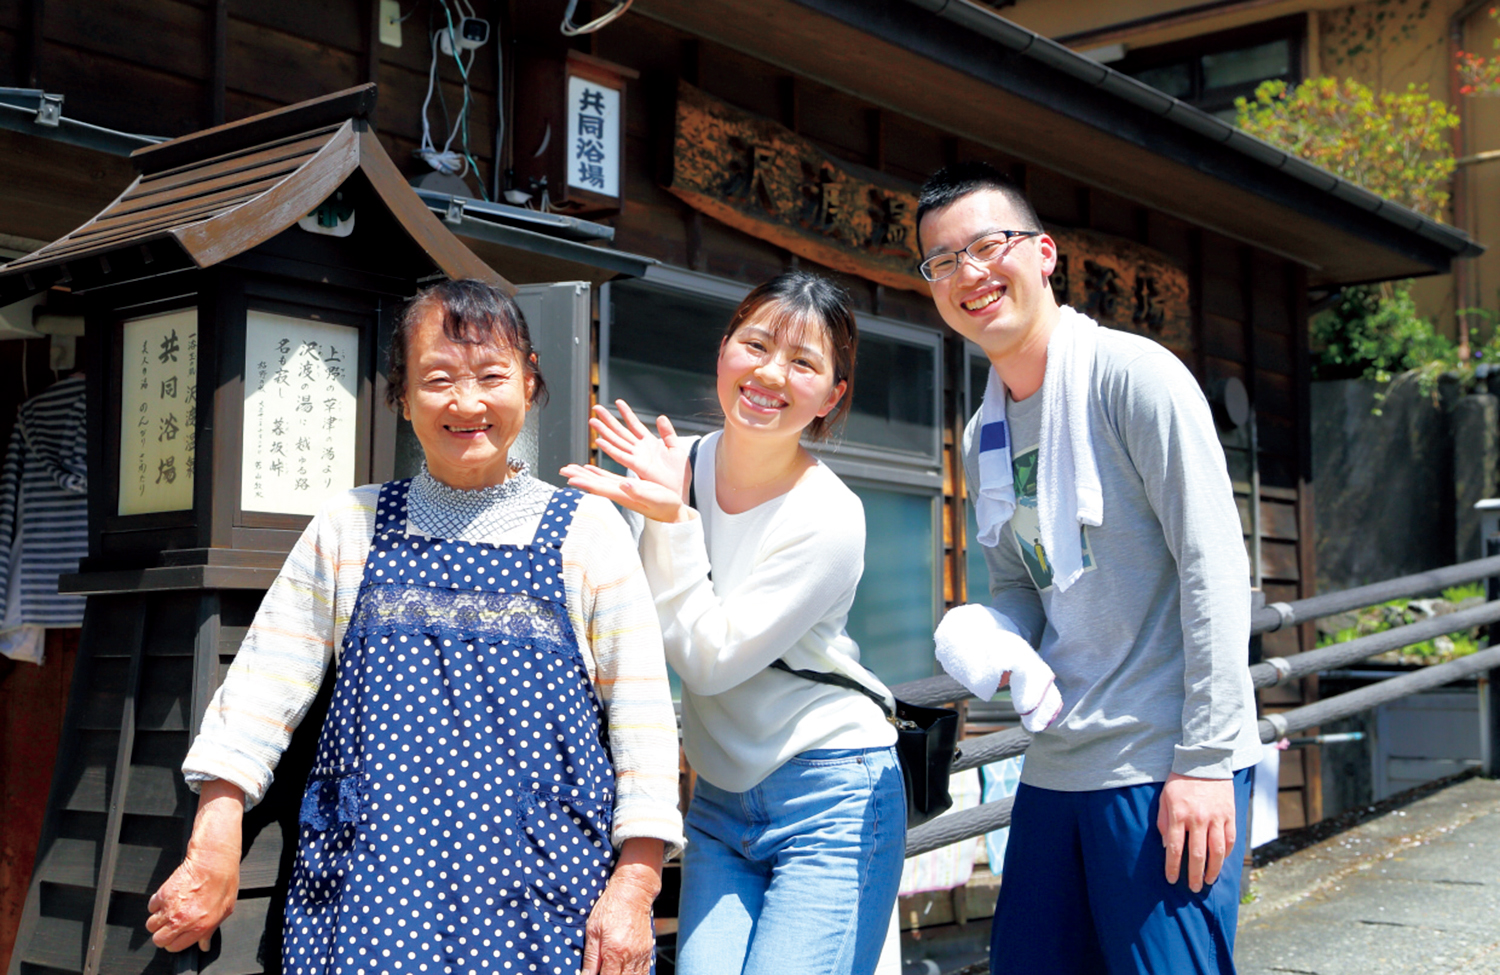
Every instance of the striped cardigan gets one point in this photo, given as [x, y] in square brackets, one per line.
[301, 623]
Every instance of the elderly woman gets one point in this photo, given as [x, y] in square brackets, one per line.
[496, 783]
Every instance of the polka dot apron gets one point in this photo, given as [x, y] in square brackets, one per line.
[458, 816]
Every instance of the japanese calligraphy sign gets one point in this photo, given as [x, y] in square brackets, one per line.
[593, 142]
[767, 181]
[301, 407]
[1123, 285]
[158, 413]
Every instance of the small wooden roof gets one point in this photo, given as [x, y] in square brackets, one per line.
[215, 194]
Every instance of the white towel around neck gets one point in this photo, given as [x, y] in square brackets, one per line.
[1069, 494]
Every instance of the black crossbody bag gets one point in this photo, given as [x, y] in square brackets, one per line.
[926, 738]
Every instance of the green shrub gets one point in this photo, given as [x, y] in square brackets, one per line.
[1374, 331]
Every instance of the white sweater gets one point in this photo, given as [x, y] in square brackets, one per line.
[783, 578]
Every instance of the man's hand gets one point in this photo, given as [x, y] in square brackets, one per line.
[1197, 814]
[618, 939]
[201, 892]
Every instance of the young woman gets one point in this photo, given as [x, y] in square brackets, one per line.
[796, 833]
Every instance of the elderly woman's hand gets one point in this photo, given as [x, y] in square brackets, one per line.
[619, 939]
[200, 894]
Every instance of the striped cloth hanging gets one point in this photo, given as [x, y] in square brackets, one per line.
[44, 524]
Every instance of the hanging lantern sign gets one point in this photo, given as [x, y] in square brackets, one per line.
[570, 133]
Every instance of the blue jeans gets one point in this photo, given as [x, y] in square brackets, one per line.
[797, 876]
[1084, 891]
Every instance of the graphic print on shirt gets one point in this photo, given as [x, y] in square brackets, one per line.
[1026, 528]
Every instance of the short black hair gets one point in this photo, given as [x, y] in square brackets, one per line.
[952, 183]
[474, 313]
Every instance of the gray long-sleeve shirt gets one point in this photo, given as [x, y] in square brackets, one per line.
[1150, 645]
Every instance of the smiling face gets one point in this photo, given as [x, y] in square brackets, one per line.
[775, 380]
[1004, 306]
[466, 402]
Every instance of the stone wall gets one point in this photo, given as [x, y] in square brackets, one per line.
[1395, 489]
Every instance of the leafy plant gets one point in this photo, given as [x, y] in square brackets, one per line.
[1394, 144]
[1374, 331]
[1479, 75]
[1400, 612]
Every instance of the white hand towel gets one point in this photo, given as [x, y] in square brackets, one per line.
[977, 650]
[1069, 493]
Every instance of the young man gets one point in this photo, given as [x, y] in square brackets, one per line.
[1113, 544]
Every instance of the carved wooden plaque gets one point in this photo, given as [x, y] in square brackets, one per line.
[1124, 285]
[761, 178]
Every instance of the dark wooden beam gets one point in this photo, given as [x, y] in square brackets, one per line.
[218, 60]
[1021, 176]
[118, 789]
[31, 73]
[875, 129]
[690, 57]
[371, 65]
[697, 260]
[788, 102]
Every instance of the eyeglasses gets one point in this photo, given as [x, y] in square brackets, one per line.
[981, 251]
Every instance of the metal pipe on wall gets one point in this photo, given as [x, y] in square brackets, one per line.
[1463, 218]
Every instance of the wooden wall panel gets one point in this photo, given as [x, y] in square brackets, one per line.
[911, 152]
[1275, 394]
[835, 121]
[122, 94]
[746, 83]
[11, 67]
[1171, 236]
[1055, 198]
[1223, 337]
[162, 35]
[284, 68]
[1110, 214]
[1273, 351]
[1221, 291]
[333, 24]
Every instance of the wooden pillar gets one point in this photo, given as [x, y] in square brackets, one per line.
[218, 58]
[31, 72]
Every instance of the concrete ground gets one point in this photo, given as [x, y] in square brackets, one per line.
[1415, 890]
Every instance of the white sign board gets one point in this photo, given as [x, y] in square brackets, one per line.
[301, 399]
[158, 413]
[593, 137]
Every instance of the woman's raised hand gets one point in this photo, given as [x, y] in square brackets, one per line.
[659, 462]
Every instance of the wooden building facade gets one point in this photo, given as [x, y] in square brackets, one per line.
[750, 136]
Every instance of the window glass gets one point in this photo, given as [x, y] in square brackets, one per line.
[894, 406]
[975, 568]
[1250, 64]
[662, 349]
[979, 377]
[1171, 79]
[892, 617]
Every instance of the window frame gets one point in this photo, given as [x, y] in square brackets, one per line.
[1192, 51]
